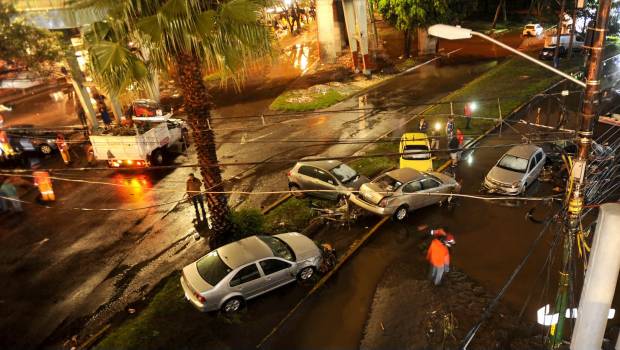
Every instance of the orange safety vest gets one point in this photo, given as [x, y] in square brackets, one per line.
[43, 181]
[438, 254]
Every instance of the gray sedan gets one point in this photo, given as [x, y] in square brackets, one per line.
[516, 170]
[400, 191]
[330, 179]
[227, 277]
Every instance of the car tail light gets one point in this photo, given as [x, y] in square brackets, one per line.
[200, 297]
[130, 162]
[383, 203]
[288, 174]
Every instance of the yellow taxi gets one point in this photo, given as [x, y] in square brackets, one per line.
[415, 152]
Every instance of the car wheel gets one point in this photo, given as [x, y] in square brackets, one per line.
[45, 149]
[305, 274]
[401, 213]
[296, 191]
[232, 305]
[157, 157]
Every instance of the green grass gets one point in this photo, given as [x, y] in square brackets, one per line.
[292, 215]
[514, 79]
[152, 327]
[375, 165]
[305, 100]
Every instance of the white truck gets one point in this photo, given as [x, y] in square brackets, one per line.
[147, 143]
[548, 51]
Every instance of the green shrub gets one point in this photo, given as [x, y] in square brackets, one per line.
[247, 222]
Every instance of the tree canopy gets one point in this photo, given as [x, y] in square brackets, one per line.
[408, 14]
[26, 45]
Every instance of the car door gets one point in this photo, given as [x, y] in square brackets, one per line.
[326, 182]
[306, 178]
[277, 272]
[248, 281]
[410, 195]
[431, 186]
[531, 170]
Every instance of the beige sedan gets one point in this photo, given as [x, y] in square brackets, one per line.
[400, 191]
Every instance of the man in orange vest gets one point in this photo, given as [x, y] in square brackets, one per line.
[43, 181]
[438, 254]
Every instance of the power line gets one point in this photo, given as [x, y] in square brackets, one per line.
[285, 161]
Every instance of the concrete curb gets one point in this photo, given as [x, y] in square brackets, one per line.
[352, 250]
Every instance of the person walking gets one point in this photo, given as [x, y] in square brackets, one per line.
[105, 116]
[434, 139]
[450, 127]
[467, 111]
[453, 146]
[63, 148]
[461, 138]
[90, 153]
[43, 181]
[8, 190]
[194, 193]
[423, 125]
[438, 254]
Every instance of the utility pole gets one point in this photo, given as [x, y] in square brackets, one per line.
[576, 179]
[556, 53]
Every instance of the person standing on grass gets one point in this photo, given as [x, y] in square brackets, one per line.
[194, 193]
[467, 111]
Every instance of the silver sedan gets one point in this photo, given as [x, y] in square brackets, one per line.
[227, 277]
[400, 191]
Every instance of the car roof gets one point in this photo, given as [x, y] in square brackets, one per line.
[405, 174]
[323, 164]
[414, 138]
[523, 151]
[244, 251]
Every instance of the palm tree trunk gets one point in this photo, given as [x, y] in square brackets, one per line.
[198, 108]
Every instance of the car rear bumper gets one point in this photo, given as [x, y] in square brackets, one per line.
[189, 296]
[375, 209]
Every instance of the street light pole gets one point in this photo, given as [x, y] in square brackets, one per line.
[457, 33]
[558, 37]
[575, 184]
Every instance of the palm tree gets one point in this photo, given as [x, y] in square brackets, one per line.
[191, 37]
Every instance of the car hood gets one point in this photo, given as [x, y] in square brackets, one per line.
[373, 193]
[194, 280]
[303, 247]
[504, 176]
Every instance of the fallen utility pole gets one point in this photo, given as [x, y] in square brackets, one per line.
[574, 187]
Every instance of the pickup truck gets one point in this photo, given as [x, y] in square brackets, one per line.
[148, 142]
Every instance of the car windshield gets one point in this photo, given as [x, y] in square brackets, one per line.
[510, 162]
[212, 269]
[278, 247]
[416, 152]
[388, 183]
[343, 173]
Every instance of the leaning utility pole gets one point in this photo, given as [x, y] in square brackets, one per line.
[574, 187]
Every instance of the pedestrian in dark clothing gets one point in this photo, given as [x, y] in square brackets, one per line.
[453, 145]
[194, 192]
[467, 111]
[105, 116]
[450, 128]
[423, 126]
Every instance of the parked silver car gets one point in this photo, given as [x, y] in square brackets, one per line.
[400, 191]
[331, 179]
[227, 277]
[516, 170]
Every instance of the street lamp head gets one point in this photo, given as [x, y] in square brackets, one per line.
[445, 31]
